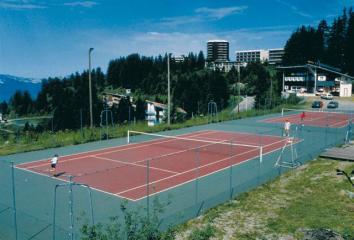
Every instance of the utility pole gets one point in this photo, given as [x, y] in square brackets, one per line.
[168, 90]
[239, 86]
[90, 89]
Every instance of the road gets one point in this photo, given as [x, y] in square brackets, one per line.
[246, 104]
[344, 104]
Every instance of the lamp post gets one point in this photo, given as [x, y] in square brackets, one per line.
[239, 86]
[168, 91]
[90, 89]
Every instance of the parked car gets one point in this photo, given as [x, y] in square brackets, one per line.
[332, 104]
[327, 96]
[319, 91]
[317, 104]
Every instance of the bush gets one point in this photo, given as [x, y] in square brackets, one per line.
[202, 233]
[292, 99]
[133, 226]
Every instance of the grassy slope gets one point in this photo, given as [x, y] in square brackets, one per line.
[309, 197]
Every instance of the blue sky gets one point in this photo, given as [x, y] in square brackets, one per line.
[51, 38]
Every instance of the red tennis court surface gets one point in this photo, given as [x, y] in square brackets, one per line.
[122, 170]
[317, 119]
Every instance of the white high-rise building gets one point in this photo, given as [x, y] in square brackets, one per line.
[248, 56]
[273, 56]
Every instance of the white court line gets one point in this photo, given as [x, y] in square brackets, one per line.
[202, 166]
[259, 135]
[181, 173]
[117, 150]
[293, 116]
[144, 160]
[66, 181]
[199, 177]
[91, 151]
[133, 164]
[337, 123]
[236, 142]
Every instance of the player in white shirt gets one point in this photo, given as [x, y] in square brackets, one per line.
[53, 164]
[287, 126]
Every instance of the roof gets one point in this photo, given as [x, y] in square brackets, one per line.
[251, 50]
[319, 66]
[157, 104]
[218, 40]
[164, 106]
[114, 94]
[276, 49]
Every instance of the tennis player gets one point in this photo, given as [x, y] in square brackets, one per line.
[302, 118]
[53, 164]
[287, 126]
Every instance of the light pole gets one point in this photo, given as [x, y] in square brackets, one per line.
[239, 86]
[168, 90]
[90, 89]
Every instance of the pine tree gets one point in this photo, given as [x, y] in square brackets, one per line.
[349, 45]
[336, 41]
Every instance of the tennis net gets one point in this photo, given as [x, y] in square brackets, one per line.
[224, 148]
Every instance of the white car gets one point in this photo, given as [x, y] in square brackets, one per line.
[327, 96]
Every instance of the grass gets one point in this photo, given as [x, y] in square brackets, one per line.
[310, 197]
[30, 141]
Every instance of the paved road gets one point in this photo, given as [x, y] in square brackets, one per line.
[343, 104]
[246, 104]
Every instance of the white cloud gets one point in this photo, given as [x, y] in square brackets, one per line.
[219, 13]
[20, 5]
[203, 14]
[181, 20]
[294, 9]
[86, 4]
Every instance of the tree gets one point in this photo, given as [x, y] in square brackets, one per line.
[124, 107]
[349, 45]
[140, 109]
[22, 103]
[306, 44]
[257, 80]
[200, 60]
[337, 41]
[4, 107]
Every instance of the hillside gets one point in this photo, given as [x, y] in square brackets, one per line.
[294, 206]
[9, 84]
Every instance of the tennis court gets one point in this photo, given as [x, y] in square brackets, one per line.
[152, 163]
[318, 118]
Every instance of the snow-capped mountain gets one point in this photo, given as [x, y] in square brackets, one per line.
[9, 84]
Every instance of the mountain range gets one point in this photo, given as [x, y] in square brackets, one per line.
[9, 84]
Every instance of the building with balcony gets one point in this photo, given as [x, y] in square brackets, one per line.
[217, 51]
[248, 56]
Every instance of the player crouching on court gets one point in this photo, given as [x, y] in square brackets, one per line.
[53, 164]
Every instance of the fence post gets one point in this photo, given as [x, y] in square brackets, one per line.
[54, 210]
[197, 163]
[14, 198]
[82, 133]
[148, 189]
[230, 177]
[260, 157]
[71, 203]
